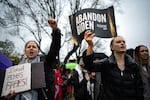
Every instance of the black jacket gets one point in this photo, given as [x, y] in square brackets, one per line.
[50, 60]
[117, 85]
[80, 88]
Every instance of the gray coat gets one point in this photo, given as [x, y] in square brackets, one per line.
[146, 83]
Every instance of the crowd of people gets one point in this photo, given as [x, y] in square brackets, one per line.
[125, 75]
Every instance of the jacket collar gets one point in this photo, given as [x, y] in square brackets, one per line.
[128, 59]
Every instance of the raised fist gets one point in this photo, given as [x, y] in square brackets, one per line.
[52, 23]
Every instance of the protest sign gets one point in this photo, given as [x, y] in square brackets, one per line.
[100, 21]
[23, 77]
[17, 78]
[37, 75]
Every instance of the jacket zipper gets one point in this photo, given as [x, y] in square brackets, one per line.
[44, 94]
[121, 73]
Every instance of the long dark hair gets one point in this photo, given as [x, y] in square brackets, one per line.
[139, 60]
[137, 54]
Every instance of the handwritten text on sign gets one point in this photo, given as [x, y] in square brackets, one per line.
[17, 78]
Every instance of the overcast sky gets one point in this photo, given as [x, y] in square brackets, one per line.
[134, 23]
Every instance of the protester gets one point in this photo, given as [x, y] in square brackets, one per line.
[58, 83]
[68, 93]
[120, 74]
[98, 84]
[92, 83]
[32, 56]
[142, 58]
[81, 82]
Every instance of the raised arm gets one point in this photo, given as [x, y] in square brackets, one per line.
[88, 36]
[52, 56]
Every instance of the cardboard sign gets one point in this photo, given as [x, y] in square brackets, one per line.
[23, 77]
[100, 21]
[17, 78]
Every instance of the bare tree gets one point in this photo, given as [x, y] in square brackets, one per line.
[29, 14]
[32, 15]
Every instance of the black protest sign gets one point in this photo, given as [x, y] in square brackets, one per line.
[100, 21]
[37, 75]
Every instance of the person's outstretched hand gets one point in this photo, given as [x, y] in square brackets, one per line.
[88, 36]
[52, 23]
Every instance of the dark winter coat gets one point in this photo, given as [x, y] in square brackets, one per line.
[80, 88]
[50, 60]
[117, 84]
